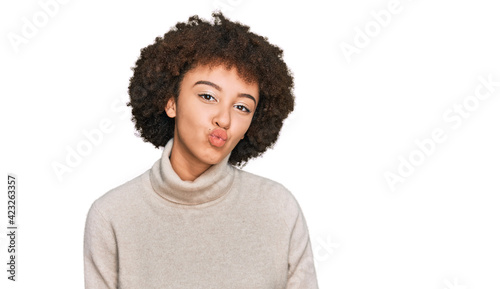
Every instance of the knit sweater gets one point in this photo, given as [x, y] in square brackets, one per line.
[226, 229]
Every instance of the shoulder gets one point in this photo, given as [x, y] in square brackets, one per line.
[273, 193]
[120, 198]
[262, 184]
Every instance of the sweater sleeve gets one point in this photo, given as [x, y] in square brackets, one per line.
[100, 253]
[301, 271]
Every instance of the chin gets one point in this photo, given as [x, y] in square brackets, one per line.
[215, 158]
[214, 161]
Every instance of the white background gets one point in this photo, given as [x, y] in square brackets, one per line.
[354, 122]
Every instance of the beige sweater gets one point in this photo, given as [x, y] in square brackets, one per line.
[226, 229]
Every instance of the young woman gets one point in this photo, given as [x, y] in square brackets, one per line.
[213, 95]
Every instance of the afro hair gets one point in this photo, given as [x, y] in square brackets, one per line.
[161, 66]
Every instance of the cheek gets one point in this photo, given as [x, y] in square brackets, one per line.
[241, 126]
[192, 117]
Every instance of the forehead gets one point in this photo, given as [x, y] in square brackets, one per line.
[245, 71]
[222, 76]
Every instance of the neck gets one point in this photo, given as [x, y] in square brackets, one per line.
[211, 184]
[185, 166]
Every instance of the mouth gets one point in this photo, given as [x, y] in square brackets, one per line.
[218, 137]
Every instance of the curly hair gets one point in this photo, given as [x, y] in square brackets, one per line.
[161, 66]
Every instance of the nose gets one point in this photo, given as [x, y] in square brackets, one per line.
[222, 118]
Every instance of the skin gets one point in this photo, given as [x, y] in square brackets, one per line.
[209, 98]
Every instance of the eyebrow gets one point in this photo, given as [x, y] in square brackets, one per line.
[209, 83]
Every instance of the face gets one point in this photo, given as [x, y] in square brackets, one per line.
[212, 114]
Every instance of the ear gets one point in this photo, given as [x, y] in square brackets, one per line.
[170, 108]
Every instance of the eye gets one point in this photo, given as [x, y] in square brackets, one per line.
[242, 108]
[207, 97]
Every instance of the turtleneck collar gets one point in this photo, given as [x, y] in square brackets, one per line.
[211, 185]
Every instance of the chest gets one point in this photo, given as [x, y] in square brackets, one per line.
[232, 249]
